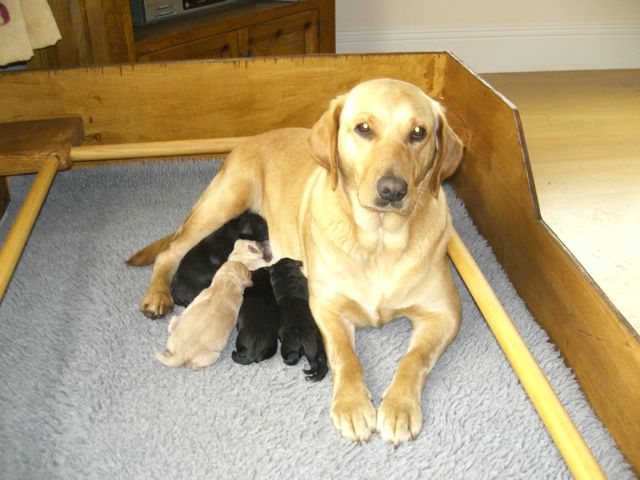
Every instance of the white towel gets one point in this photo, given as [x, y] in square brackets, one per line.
[25, 25]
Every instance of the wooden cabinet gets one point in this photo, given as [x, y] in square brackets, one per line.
[106, 35]
[291, 35]
[264, 28]
[217, 46]
[288, 35]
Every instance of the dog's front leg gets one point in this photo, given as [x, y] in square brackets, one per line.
[157, 300]
[400, 414]
[226, 197]
[352, 411]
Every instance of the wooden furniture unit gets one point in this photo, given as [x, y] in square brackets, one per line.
[99, 32]
[289, 35]
[139, 103]
[94, 32]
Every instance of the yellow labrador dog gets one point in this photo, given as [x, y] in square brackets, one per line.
[357, 198]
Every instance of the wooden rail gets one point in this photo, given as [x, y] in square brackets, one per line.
[19, 233]
[572, 446]
[174, 148]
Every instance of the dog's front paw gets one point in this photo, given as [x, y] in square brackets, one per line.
[156, 304]
[354, 416]
[399, 419]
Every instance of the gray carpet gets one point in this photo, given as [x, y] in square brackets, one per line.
[83, 397]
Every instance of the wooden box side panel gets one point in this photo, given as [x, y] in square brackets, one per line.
[186, 100]
[496, 185]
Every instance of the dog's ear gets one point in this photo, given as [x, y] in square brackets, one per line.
[323, 139]
[448, 154]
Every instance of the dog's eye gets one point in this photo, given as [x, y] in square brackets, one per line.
[364, 130]
[418, 134]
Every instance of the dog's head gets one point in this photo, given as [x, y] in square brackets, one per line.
[386, 140]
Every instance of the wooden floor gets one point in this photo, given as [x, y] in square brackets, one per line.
[583, 135]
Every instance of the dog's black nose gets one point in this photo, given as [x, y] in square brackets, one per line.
[391, 189]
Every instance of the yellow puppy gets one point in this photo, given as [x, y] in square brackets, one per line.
[197, 337]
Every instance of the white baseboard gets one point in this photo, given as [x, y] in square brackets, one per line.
[506, 49]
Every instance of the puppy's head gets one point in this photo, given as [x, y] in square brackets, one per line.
[386, 140]
[252, 227]
[251, 254]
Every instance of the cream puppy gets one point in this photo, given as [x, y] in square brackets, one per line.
[197, 337]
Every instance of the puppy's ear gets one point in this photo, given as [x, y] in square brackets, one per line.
[323, 139]
[448, 154]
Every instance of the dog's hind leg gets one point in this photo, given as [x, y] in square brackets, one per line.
[228, 195]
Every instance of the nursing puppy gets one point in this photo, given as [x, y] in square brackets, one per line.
[198, 336]
[258, 321]
[299, 334]
[198, 267]
[357, 199]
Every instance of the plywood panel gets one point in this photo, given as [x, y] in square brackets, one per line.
[582, 133]
[200, 99]
[594, 339]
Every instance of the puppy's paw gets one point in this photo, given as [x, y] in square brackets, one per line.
[244, 356]
[289, 356]
[156, 304]
[173, 324]
[300, 337]
[354, 417]
[203, 360]
[241, 356]
[318, 367]
[254, 345]
[316, 372]
[168, 359]
[399, 419]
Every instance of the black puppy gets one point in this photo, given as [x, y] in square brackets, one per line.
[258, 321]
[299, 333]
[197, 268]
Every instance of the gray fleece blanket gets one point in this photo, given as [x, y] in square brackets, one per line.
[83, 397]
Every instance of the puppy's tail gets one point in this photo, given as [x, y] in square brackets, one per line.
[148, 254]
[173, 361]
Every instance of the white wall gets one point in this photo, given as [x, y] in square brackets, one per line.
[498, 35]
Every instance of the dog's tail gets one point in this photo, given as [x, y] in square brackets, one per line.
[148, 254]
[173, 361]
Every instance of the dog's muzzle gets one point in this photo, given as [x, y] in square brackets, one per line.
[391, 191]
